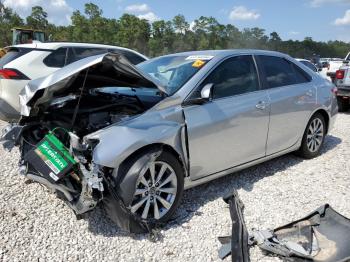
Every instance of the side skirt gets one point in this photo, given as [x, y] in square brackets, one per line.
[192, 183]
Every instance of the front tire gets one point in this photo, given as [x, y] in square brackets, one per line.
[313, 138]
[159, 189]
[343, 104]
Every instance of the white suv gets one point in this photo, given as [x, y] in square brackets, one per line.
[23, 63]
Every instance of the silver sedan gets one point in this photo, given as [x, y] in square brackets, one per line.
[144, 134]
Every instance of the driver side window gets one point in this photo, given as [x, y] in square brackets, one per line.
[234, 76]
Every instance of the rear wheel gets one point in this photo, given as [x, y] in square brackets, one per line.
[159, 189]
[313, 138]
[343, 104]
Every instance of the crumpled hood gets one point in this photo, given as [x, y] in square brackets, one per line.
[42, 90]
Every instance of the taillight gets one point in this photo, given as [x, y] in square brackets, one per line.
[12, 74]
[339, 74]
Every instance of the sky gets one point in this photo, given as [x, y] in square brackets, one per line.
[322, 20]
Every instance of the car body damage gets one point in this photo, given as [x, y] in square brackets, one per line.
[108, 68]
[121, 191]
[86, 107]
[322, 236]
[93, 128]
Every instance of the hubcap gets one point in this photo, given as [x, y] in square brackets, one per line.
[315, 135]
[155, 191]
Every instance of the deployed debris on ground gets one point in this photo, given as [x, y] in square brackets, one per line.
[322, 236]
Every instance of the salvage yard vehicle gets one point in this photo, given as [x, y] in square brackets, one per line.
[342, 81]
[24, 62]
[102, 130]
[309, 64]
[334, 65]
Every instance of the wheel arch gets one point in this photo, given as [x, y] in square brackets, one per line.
[154, 147]
[325, 115]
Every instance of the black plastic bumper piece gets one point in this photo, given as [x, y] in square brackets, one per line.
[322, 236]
[237, 243]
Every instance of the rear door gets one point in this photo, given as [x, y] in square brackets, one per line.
[232, 128]
[292, 96]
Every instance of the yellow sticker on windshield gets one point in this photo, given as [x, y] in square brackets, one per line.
[198, 63]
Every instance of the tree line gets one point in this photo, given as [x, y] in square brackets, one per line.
[162, 37]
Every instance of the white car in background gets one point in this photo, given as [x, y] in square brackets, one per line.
[308, 64]
[334, 66]
[23, 63]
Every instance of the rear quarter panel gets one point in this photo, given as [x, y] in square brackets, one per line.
[326, 99]
[32, 65]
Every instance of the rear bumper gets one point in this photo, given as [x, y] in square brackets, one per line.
[343, 91]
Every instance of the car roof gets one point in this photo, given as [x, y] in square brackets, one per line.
[302, 59]
[227, 52]
[56, 45]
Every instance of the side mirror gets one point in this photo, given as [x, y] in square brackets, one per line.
[207, 91]
[206, 95]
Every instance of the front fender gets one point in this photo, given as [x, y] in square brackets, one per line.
[118, 142]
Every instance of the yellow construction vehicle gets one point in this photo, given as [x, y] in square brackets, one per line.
[2, 52]
[25, 36]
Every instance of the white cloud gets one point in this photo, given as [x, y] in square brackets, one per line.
[294, 33]
[318, 3]
[58, 11]
[138, 8]
[192, 24]
[242, 13]
[150, 16]
[345, 20]
[143, 11]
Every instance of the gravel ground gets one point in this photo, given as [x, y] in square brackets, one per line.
[35, 226]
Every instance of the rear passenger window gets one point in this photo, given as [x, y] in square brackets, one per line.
[301, 75]
[278, 71]
[78, 53]
[57, 58]
[132, 57]
[234, 76]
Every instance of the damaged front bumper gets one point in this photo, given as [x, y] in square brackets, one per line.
[322, 236]
[10, 136]
[80, 186]
[85, 184]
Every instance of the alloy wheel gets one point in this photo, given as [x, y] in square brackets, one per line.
[315, 135]
[155, 192]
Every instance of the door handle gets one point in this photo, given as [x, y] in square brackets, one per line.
[261, 105]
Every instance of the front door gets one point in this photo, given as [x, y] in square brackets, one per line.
[232, 128]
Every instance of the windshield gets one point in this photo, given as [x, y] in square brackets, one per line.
[174, 71]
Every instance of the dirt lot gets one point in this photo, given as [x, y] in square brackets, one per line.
[35, 226]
